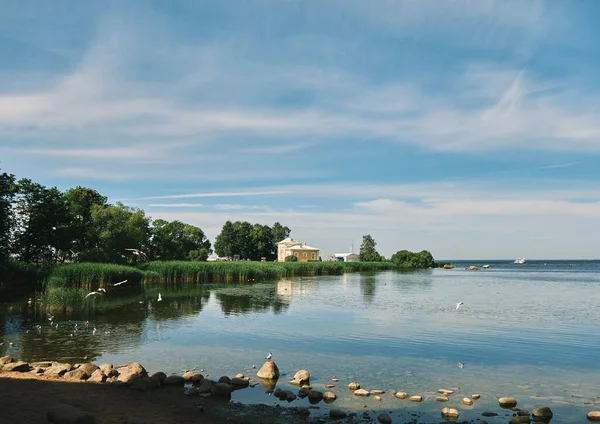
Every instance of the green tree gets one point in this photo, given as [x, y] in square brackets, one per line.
[279, 232]
[412, 260]
[249, 241]
[176, 241]
[119, 227]
[8, 188]
[291, 258]
[42, 223]
[367, 250]
[79, 202]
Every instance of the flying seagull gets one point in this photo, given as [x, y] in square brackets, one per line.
[102, 289]
[458, 305]
[159, 297]
[269, 356]
[118, 284]
[139, 253]
[92, 293]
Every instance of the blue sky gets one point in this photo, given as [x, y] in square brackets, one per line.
[468, 128]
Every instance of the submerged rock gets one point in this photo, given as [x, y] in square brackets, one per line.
[467, 401]
[384, 419]
[337, 414]
[542, 414]
[450, 413]
[507, 402]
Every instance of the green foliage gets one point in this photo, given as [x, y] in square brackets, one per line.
[367, 250]
[291, 258]
[249, 241]
[8, 188]
[23, 273]
[90, 276]
[413, 260]
[279, 232]
[178, 241]
[79, 202]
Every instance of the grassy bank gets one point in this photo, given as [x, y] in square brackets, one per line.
[200, 272]
[90, 276]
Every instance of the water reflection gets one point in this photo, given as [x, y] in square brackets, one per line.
[367, 287]
[239, 299]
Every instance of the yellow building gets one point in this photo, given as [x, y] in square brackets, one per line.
[302, 251]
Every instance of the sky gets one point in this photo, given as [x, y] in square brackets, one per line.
[467, 128]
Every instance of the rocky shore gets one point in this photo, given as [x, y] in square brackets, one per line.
[128, 394]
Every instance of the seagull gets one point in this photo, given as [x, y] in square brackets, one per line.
[102, 289]
[269, 356]
[461, 365]
[159, 297]
[94, 331]
[458, 305]
[11, 344]
[139, 253]
[92, 293]
[50, 317]
[118, 284]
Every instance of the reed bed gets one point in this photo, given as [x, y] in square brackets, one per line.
[90, 276]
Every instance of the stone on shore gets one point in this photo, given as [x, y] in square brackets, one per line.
[542, 414]
[377, 392]
[159, 376]
[58, 369]
[39, 364]
[192, 391]
[221, 390]
[401, 395]
[303, 411]
[142, 383]
[192, 377]
[416, 398]
[240, 382]
[173, 380]
[442, 398]
[361, 392]
[353, 386]
[20, 366]
[329, 397]
[467, 401]
[128, 372]
[315, 396]
[67, 414]
[450, 413]
[89, 368]
[97, 377]
[475, 396]
[301, 377]
[108, 370]
[224, 379]
[593, 416]
[520, 419]
[337, 414]
[384, 419]
[76, 375]
[507, 402]
[445, 392]
[268, 371]
[6, 360]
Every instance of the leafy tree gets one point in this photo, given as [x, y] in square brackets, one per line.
[367, 250]
[42, 222]
[176, 241]
[291, 258]
[225, 241]
[119, 227]
[280, 232]
[413, 260]
[249, 241]
[8, 189]
[79, 202]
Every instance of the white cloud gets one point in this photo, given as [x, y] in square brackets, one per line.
[175, 205]
[218, 194]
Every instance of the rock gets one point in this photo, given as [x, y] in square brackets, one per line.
[442, 399]
[520, 420]
[445, 392]
[489, 414]
[475, 396]
[377, 398]
[224, 379]
[205, 395]
[40, 364]
[89, 368]
[240, 382]
[76, 375]
[377, 392]
[108, 370]
[593, 416]
[221, 390]
[361, 392]
[173, 380]
[302, 377]
[507, 402]
[401, 395]
[302, 411]
[302, 393]
[268, 384]
[523, 412]
[159, 376]
[384, 419]
[57, 369]
[97, 377]
[67, 414]
[353, 386]
[6, 360]
[467, 401]
[192, 391]
[142, 383]
[473, 268]
[450, 413]
[284, 395]
[337, 414]
[416, 398]
[315, 395]
[329, 397]
[329, 386]
[128, 372]
[335, 380]
[268, 371]
[20, 366]
[190, 377]
[240, 375]
[542, 414]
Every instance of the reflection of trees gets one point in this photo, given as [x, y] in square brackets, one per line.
[367, 286]
[242, 299]
[177, 301]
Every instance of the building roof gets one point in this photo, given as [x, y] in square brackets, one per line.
[344, 254]
[303, 247]
[288, 240]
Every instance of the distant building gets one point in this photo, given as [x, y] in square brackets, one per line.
[302, 251]
[344, 257]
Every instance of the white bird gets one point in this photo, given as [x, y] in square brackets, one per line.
[139, 253]
[92, 293]
[102, 289]
[94, 331]
[119, 283]
[458, 305]
[461, 365]
[159, 297]
[11, 344]
[269, 356]
[50, 317]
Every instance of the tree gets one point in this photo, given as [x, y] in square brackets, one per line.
[225, 241]
[367, 250]
[42, 222]
[411, 260]
[8, 188]
[119, 227]
[79, 202]
[178, 241]
[291, 258]
[249, 241]
[280, 232]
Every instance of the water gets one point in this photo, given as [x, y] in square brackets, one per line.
[530, 331]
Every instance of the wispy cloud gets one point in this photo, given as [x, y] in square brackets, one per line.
[175, 205]
[560, 165]
[232, 207]
[218, 194]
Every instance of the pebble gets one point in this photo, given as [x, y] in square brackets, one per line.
[467, 401]
[384, 419]
[329, 386]
[353, 386]
[240, 375]
[450, 413]
[416, 398]
[335, 379]
[253, 366]
[377, 398]
[361, 392]
[475, 396]
[377, 392]
[401, 395]
[445, 392]
[507, 402]
[442, 398]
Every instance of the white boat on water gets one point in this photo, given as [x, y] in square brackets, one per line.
[520, 261]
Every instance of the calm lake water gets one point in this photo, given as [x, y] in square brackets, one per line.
[530, 331]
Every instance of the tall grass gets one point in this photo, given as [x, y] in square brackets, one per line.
[200, 272]
[90, 276]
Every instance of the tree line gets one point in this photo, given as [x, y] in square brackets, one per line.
[45, 225]
[402, 258]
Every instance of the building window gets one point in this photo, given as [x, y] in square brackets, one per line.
[304, 254]
[296, 254]
[312, 255]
